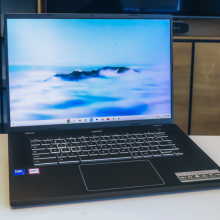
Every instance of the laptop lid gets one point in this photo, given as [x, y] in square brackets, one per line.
[74, 71]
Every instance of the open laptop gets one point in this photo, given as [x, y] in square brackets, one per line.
[90, 109]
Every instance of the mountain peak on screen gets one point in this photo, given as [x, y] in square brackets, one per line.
[77, 75]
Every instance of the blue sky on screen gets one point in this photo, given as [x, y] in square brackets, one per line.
[88, 42]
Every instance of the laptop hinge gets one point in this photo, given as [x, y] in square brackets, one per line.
[156, 125]
[30, 132]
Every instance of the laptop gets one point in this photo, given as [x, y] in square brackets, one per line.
[90, 110]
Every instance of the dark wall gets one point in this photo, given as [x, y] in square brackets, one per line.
[17, 6]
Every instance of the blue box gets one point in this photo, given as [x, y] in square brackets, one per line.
[19, 172]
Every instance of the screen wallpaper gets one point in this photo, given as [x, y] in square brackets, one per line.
[77, 68]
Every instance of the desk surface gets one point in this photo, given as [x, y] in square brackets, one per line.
[200, 204]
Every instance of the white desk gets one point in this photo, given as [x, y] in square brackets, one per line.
[203, 204]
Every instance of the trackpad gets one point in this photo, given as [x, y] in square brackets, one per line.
[116, 175]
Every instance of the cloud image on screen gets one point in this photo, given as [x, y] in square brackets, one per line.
[66, 68]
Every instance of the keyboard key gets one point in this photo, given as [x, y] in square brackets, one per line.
[45, 162]
[103, 152]
[120, 142]
[72, 145]
[167, 144]
[135, 145]
[49, 147]
[132, 137]
[139, 134]
[157, 154]
[136, 155]
[104, 138]
[158, 140]
[117, 147]
[114, 152]
[61, 155]
[93, 153]
[145, 145]
[59, 139]
[72, 154]
[123, 151]
[106, 148]
[159, 133]
[143, 149]
[147, 141]
[174, 148]
[130, 142]
[149, 135]
[86, 149]
[39, 147]
[139, 141]
[35, 143]
[122, 138]
[94, 136]
[44, 156]
[109, 143]
[83, 137]
[82, 145]
[178, 154]
[127, 134]
[68, 160]
[77, 149]
[55, 151]
[75, 141]
[154, 144]
[35, 140]
[152, 149]
[61, 146]
[111, 157]
[45, 142]
[65, 142]
[146, 155]
[37, 152]
[142, 138]
[83, 154]
[47, 139]
[85, 140]
[55, 142]
[126, 146]
[135, 150]
[65, 150]
[71, 138]
[113, 139]
[165, 139]
[101, 143]
[91, 144]
[96, 148]
[94, 140]
[116, 135]
[167, 154]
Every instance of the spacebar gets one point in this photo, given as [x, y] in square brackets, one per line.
[106, 158]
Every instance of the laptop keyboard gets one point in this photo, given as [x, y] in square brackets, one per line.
[83, 149]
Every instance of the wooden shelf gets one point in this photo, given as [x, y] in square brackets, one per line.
[195, 38]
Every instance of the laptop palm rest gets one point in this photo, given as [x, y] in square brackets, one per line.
[117, 175]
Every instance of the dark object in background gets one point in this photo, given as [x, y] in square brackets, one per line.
[178, 8]
[180, 27]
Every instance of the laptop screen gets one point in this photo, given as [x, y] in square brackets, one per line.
[68, 71]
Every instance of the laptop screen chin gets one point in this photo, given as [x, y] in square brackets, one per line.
[66, 71]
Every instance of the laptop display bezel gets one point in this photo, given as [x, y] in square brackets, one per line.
[93, 125]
